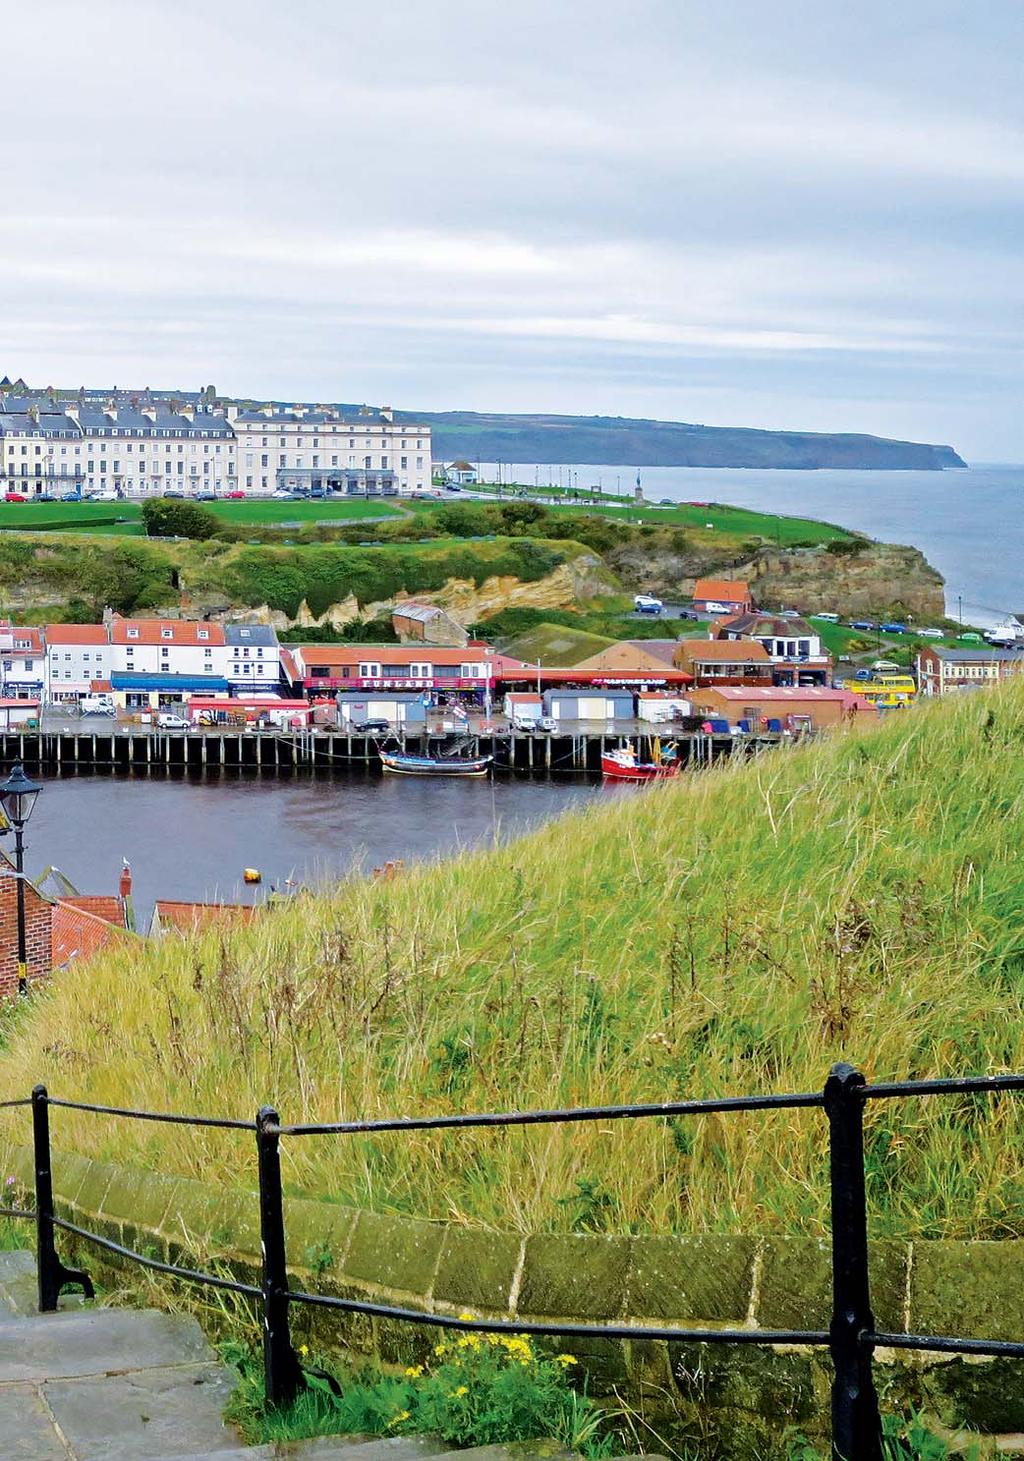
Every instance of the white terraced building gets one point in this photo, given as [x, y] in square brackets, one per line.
[143, 446]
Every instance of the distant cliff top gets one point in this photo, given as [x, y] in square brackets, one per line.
[629, 442]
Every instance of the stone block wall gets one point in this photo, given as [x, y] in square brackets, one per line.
[735, 1401]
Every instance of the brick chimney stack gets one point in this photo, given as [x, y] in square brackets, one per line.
[125, 888]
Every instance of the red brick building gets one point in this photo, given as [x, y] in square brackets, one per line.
[57, 930]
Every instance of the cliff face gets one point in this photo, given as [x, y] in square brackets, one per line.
[878, 580]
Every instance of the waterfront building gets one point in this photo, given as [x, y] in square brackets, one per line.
[588, 704]
[78, 659]
[724, 661]
[252, 658]
[22, 662]
[400, 707]
[779, 707]
[301, 448]
[793, 646]
[330, 667]
[155, 662]
[427, 624]
[941, 670]
[632, 656]
[722, 596]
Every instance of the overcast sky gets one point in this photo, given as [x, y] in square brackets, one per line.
[742, 212]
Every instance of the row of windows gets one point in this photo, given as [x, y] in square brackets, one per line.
[315, 440]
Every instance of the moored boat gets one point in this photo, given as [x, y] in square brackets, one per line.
[622, 765]
[404, 765]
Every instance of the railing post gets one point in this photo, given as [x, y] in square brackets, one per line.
[51, 1275]
[856, 1425]
[282, 1373]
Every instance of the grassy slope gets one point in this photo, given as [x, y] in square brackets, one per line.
[556, 644]
[735, 932]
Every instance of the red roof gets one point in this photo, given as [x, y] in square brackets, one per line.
[191, 917]
[403, 654]
[34, 637]
[76, 634]
[76, 933]
[107, 906]
[165, 631]
[7, 703]
[721, 590]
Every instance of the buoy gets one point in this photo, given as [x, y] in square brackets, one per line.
[252, 875]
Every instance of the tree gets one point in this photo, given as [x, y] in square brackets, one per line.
[165, 517]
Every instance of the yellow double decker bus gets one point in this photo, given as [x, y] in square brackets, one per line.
[886, 691]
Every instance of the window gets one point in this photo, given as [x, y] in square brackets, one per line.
[419, 672]
[208, 654]
[166, 633]
[29, 664]
[133, 634]
[404, 464]
[202, 633]
[369, 671]
[367, 462]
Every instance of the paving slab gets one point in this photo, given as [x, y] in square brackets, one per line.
[173, 1412]
[26, 1432]
[97, 1342]
[362, 1448]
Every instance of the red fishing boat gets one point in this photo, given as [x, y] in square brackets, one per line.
[622, 764]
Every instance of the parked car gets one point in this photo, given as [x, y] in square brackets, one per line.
[71, 497]
[714, 608]
[547, 723]
[15, 497]
[167, 720]
[829, 618]
[863, 674]
[893, 628]
[97, 705]
[44, 497]
[235, 494]
[525, 723]
[861, 624]
[105, 494]
[318, 492]
[174, 492]
[932, 633]
[206, 497]
[368, 726]
[647, 604]
[970, 638]
[886, 666]
[686, 614]
[282, 494]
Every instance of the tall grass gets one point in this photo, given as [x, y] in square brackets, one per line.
[736, 931]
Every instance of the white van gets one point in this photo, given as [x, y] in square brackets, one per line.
[97, 705]
[828, 618]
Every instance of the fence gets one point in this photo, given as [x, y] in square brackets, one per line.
[851, 1337]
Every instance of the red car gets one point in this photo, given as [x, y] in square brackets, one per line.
[235, 495]
[14, 497]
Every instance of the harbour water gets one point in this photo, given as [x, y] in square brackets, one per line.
[190, 837]
[967, 523]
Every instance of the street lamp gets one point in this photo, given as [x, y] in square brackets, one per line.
[17, 798]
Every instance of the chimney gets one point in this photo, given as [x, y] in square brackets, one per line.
[387, 413]
[125, 886]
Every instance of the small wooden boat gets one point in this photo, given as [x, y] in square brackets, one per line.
[622, 765]
[402, 765]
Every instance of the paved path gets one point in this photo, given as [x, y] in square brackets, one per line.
[93, 1384]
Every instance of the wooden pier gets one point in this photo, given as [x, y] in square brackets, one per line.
[272, 753]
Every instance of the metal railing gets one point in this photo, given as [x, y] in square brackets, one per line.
[851, 1337]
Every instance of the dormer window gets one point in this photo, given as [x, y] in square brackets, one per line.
[202, 633]
[166, 633]
[133, 634]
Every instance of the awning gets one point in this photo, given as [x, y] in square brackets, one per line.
[181, 683]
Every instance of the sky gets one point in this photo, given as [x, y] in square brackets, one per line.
[738, 212]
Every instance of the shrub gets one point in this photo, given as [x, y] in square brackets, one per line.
[168, 518]
[846, 547]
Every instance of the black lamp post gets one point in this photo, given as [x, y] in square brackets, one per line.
[18, 797]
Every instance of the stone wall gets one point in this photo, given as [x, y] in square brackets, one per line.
[737, 1401]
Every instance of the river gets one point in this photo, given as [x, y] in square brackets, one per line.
[967, 523]
[191, 837]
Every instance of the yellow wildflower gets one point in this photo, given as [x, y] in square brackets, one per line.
[565, 1360]
[397, 1419]
[457, 1393]
[414, 1372]
[440, 1349]
[467, 1315]
[303, 1350]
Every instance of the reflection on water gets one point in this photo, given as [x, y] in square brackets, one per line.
[189, 837]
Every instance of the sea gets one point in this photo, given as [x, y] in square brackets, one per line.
[967, 523]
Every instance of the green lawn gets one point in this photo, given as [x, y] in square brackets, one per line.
[104, 516]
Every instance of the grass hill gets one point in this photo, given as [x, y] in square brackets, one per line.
[736, 931]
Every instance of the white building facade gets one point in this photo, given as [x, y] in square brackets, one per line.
[144, 446]
[78, 656]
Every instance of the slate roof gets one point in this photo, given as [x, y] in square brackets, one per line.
[262, 634]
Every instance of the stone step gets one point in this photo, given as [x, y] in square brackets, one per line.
[174, 1412]
[97, 1342]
